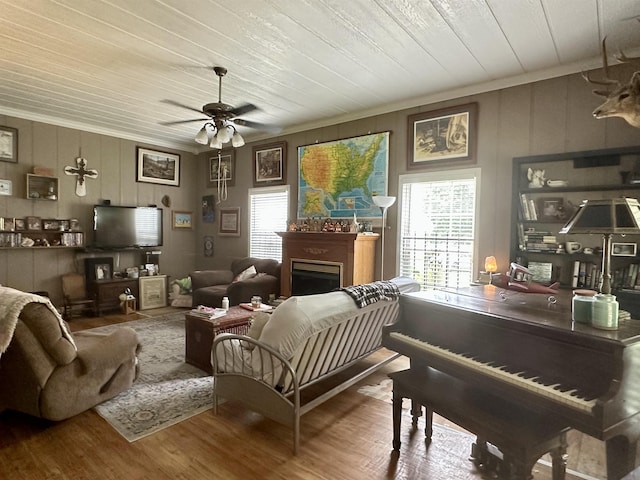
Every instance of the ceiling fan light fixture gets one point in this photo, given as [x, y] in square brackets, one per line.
[216, 142]
[203, 136]
[223, 133]
[236, 139]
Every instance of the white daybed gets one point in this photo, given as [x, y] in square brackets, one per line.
[305, 340]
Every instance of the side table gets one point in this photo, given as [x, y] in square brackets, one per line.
[200, 332]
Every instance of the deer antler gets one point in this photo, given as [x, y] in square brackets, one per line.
[605, 68]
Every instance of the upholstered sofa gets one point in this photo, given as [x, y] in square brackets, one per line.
[245, 278]
[306, 339]
[46, 371]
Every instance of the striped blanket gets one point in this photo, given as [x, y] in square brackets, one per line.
[369, 293]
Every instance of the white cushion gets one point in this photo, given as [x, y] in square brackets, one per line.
[258, 321]
[297, 318]
[245, 274]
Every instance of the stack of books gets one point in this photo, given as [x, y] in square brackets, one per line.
[208, 312]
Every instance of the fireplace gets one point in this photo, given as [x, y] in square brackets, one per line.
[309, 277]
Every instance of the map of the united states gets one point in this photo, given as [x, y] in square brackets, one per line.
[339, 178]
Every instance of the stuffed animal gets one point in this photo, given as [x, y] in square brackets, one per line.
[536, 178]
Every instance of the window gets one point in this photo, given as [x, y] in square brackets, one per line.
[437, 227]
[268, 211]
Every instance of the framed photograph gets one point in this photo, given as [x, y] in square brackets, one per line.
[103, 271]
[34, 223]
[208, 209]
[230, 221]
[19, 224]
[158, 167]
[623, 249]
[222, 167]
[442, 136]
[8, 224]
[74, 225]
[270, 163]
[65, 225]
[50, 224]
[181, 219]
[551, 209]
[8, 144]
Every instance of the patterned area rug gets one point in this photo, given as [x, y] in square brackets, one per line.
[167, 391]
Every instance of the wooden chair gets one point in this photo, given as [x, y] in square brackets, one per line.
[74, 292]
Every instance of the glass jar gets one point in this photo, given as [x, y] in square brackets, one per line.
[256, 301]
[605, 312]
[582, 306]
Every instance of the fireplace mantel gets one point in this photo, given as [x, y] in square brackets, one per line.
[356, 252]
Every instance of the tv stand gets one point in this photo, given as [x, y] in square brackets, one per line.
[107, 292]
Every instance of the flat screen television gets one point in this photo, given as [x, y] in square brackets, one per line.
[126, 227]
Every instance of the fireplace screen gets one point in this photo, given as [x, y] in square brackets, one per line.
[309, 277]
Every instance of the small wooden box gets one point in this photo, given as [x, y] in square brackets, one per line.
[129, 306]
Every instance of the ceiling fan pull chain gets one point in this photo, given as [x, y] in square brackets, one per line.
[222, 180]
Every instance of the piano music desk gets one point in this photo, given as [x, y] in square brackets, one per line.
[521, 435]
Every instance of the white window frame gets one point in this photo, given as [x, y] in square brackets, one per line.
[282, 228]
[435, 176]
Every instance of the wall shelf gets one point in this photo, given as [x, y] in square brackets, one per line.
[41, 187]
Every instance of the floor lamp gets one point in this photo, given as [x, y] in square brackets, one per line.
[384, 203]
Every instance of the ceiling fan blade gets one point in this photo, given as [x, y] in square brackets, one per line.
[178, 122]
[244, 108]
[260, 126]
[181, 105]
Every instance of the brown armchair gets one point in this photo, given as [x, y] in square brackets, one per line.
[43, 374]
[209, 286]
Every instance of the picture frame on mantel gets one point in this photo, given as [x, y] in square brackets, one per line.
[8, 144]
[443, 136]
[269, 164]
[158, 167]
[229, 221]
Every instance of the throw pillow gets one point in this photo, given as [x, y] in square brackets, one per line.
[245, 274]
[184, 284]
[258, 322]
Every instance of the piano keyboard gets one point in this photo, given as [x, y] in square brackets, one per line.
[569, 398]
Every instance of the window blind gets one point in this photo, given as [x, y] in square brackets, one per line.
[268, 211]
[437, 230]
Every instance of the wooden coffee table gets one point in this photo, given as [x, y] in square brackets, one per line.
[200, 332]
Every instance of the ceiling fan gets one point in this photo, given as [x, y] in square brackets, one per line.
[220, 127]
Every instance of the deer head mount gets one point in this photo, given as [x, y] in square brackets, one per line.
[624, 100]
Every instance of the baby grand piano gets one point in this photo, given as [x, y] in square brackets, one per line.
[525, 349]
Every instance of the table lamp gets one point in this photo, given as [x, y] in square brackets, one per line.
[384, 202]
[608, 217]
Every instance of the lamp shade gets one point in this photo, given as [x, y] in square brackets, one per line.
[383, 201]
[612, 215]
[490, 264]
[203, 136]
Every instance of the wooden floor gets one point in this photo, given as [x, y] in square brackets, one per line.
[348, 437]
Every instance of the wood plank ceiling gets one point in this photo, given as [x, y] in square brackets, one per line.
[108, 65]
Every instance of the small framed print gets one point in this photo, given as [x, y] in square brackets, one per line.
[8, 144]
[103, 271]
[222, 168]
[19, 224]
[34, 223]
[6, 187]
[269, 164]
[65, 225]
[9, 224]
[50, 224]
[624, 249]
[230, 221]
[182, 219]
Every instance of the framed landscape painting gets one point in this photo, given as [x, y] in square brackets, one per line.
[8, 144]
[158, 167]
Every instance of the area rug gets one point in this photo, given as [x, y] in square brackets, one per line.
[167, 391]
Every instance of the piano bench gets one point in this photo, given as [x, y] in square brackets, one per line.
[521, 435]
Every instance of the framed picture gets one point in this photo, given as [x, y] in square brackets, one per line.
[8, 224]
[103, 271]
[50, 224]
[8, 144]
[6, 187]
[270, 163]
[230, 221]
[181, 219]
[221, 167]
[623, 249]
[65, 225]
[19, 224]
[153, 292]
[442, 136]
[208, 209]
[34, 223]
[158, 167]
[551, 210]
[74, 224]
